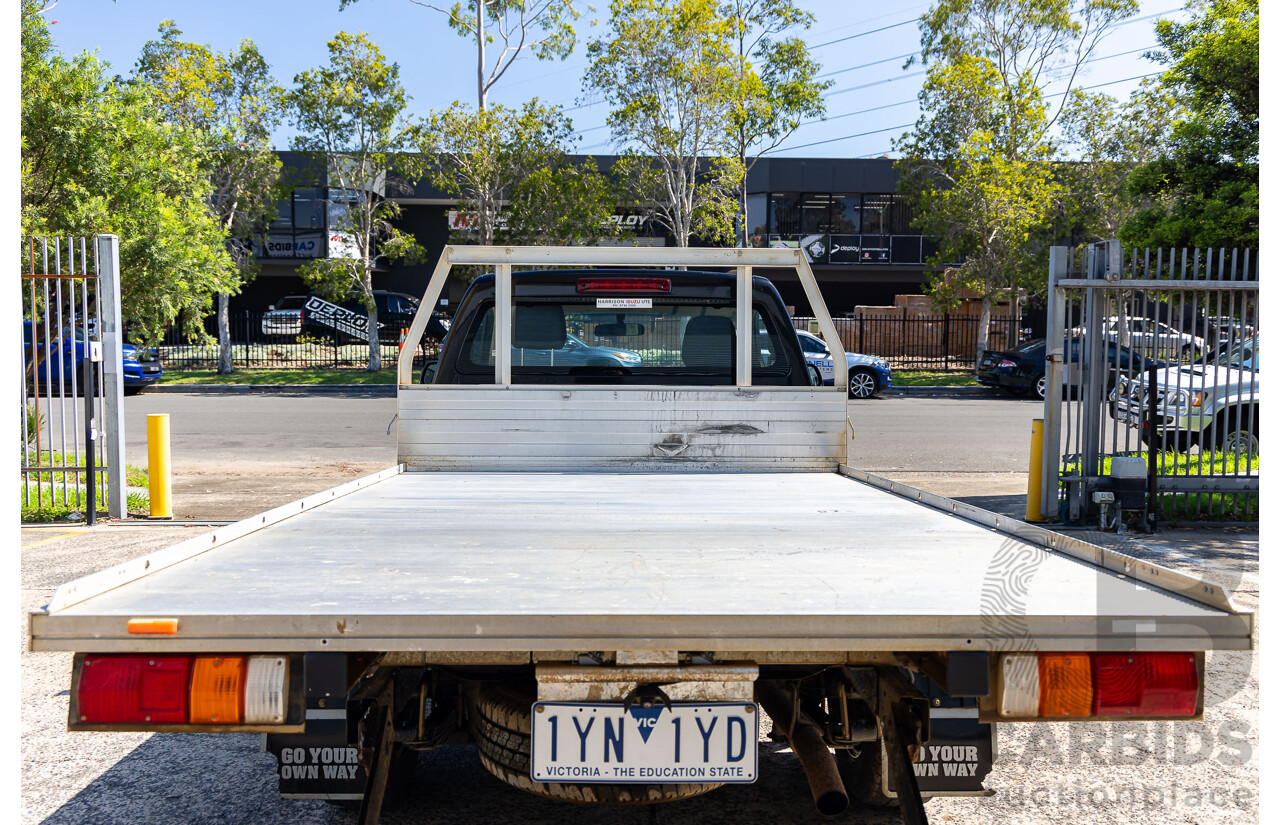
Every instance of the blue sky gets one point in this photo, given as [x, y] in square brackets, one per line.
[863, 45]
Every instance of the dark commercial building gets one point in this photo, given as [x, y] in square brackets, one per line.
[843, 213]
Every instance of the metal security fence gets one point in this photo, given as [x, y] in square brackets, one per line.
[1152, 399]
[263, 341]
[940, 341]
[71, 423]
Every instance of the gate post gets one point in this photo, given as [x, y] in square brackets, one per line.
[107, 254]
[1055, 334]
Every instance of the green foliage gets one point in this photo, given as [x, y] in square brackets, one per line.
[234, 104]
[517, 157]
[351, 118]
[976, 167]
[667, 71]
[1205, 186]
[98, 158]
[775, 83]
[1106, 139]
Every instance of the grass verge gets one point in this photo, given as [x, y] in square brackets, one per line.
[1199, 506]
[45, 498]
[933, 378]
[316, 376]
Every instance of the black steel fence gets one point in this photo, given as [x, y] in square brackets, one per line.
[941, 341]
[258, 342]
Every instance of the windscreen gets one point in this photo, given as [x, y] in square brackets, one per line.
[552, 338]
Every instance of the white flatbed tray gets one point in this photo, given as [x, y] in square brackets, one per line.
[444, 561]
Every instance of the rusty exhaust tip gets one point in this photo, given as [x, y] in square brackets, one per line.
[832, 803]
[829, 794]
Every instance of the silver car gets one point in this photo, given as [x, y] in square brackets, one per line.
[283, 319]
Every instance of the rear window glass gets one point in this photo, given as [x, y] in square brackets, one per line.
[550, 338]
[291, 302]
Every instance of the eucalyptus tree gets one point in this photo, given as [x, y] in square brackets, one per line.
[512, 175]
[351, 116]
[543, 28]
[976, 166]
[668, 73]
[233, 104]
[775, 83]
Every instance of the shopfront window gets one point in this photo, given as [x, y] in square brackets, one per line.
[845, 217]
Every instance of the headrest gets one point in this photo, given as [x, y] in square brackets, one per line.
[538, 326]
[708, 342]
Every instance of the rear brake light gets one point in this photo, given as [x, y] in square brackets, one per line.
[1145, 684]
[1083, 685]
[662, 285]
[1007, 364]
[134, 689]
[182, 689]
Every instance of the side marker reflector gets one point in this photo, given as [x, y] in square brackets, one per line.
[166, 627]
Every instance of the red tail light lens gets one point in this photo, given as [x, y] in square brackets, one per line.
[661, 285]
[124, 689]
[1145, 684]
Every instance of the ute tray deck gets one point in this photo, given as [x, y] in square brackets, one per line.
[441, 561]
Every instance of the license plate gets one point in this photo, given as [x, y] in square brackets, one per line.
[1125, 417]
[687, 742]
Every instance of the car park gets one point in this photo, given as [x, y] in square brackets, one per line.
[1022, 370]
[1151, 337]
[1214, 403]
[868, 374]
[141, 365]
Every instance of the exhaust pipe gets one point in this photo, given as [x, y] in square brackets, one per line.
[819, 764]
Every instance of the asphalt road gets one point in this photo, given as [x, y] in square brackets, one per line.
[234, 455]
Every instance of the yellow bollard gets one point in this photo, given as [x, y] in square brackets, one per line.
[158, 465]
[1035, 470]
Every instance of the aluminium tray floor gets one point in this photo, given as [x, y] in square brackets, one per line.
[546, 561]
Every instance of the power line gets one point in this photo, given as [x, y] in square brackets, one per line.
[863, 34]
[866, 65]
[843, 137]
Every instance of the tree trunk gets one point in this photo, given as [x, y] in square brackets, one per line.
[225, 361]
[984, 323]
[480, 54]
[375, 349]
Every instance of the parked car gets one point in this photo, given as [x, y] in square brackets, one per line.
[1198, 404]
[1152, 337]
[868, 374]
[141, 366]
[1022, 370]
[283, 319]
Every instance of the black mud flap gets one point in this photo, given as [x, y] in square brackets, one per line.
[956, 759]
[320, 763]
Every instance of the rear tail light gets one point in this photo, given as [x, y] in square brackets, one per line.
[1007, 364]
[182, 689]
[661, 285]
[1084, 685]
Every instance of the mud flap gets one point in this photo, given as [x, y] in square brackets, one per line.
[320, 762]
[957, 757]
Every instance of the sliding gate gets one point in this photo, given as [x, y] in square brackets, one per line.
[1152, 383]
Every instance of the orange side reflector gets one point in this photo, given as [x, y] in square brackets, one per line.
[1066, 684]
[164, 626]
[217, 690]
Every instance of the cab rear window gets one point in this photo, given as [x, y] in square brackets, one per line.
[663, 339]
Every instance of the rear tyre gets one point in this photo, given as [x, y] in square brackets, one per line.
[501, 725]
[1040, 386]
[862, 383]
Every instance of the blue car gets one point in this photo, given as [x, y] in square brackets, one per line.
[868, 374]
[141, 366]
